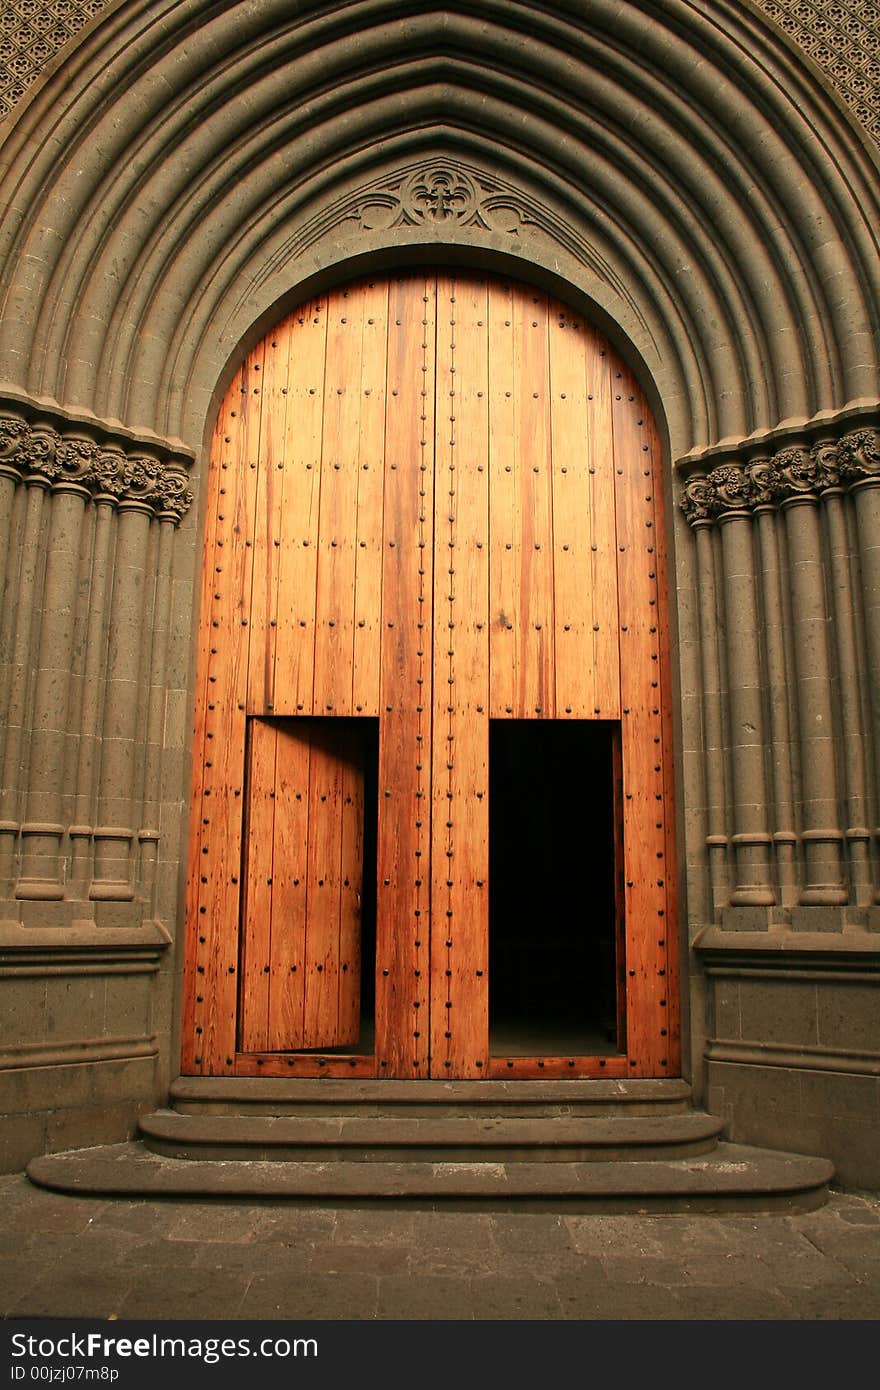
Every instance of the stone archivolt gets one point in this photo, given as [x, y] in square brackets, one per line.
[41, 452]
[792, 472]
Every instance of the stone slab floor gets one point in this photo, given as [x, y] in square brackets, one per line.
[63, 1257]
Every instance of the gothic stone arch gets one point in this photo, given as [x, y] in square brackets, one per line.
[182, 176]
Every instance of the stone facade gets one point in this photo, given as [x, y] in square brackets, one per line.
[680, 175]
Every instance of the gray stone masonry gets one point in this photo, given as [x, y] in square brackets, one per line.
[92, 1258]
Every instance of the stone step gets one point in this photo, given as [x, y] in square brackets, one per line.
[229, 1095]
[731, 1178]
[437, 1137]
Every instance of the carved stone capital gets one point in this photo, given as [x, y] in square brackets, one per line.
[859, 455]
[797, 471]
[39, 451]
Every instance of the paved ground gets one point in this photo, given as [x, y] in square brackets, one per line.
[93, 1257]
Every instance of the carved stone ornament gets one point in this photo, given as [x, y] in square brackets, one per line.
[792, 472]
[441, 193]
[447, 194]
[40, 452]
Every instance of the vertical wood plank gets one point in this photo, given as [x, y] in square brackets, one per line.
[258, 891]
[267, 521]
[504, 530]
[575, 620]
[370, 499]
[460, 835]
[603, 544]
[641, 735]
[337, 523]
[297, 589]
[224, 450]
[324, 892]
[351, 887]
[668, 940]
[290, 886]
[536, 694]
[403, 890]
[219, 849]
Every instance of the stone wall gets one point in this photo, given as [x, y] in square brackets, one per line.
[788, 595]
[93, 674]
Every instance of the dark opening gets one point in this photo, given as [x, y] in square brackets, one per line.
[553, 874]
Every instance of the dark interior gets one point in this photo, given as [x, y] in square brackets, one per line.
[552, 927]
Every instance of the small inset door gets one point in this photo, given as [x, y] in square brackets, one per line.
[431, 828]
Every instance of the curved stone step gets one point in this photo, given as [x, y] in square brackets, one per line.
[438, 1137]
[280, 1096]
[733, 1177]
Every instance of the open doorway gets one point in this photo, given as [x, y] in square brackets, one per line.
[555, 937]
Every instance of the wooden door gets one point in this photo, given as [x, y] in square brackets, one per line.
[434, 503]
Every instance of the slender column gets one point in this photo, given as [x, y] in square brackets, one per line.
[843, 566]
[822, 837]
[114, 833]
[751, 839]
[867, 505]
[42, 872]
[18, 706]
[716, 816]
[92, 699]
[784, 836]
[149, 832]
[9, 481]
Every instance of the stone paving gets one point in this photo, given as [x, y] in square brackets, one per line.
[97, 1258]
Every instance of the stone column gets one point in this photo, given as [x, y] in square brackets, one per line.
[114, 832]
[150, 829]
[18, 708]
[751, 839]
[784, 835]
[821, 834]
[43, 872]
[844, 564]
[92, 700]
[713, 737]
[859, 460]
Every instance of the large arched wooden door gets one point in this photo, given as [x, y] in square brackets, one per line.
[432, 746]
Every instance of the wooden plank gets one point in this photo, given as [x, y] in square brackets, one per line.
[556, 1068]
[403, 891]
[667, 940]
[536, 687]
[642, 735]
[320, 1027]
[603, 544]
[575, 621]
[302, 1065]
[295, 637]
[220, 848]
[263, 605]
[259, 837]
[620, 976]
[370, 500]
[504, 493]
[290, 885]
[351, 755]
[338, 506]
[460, 835]
[224, 450]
